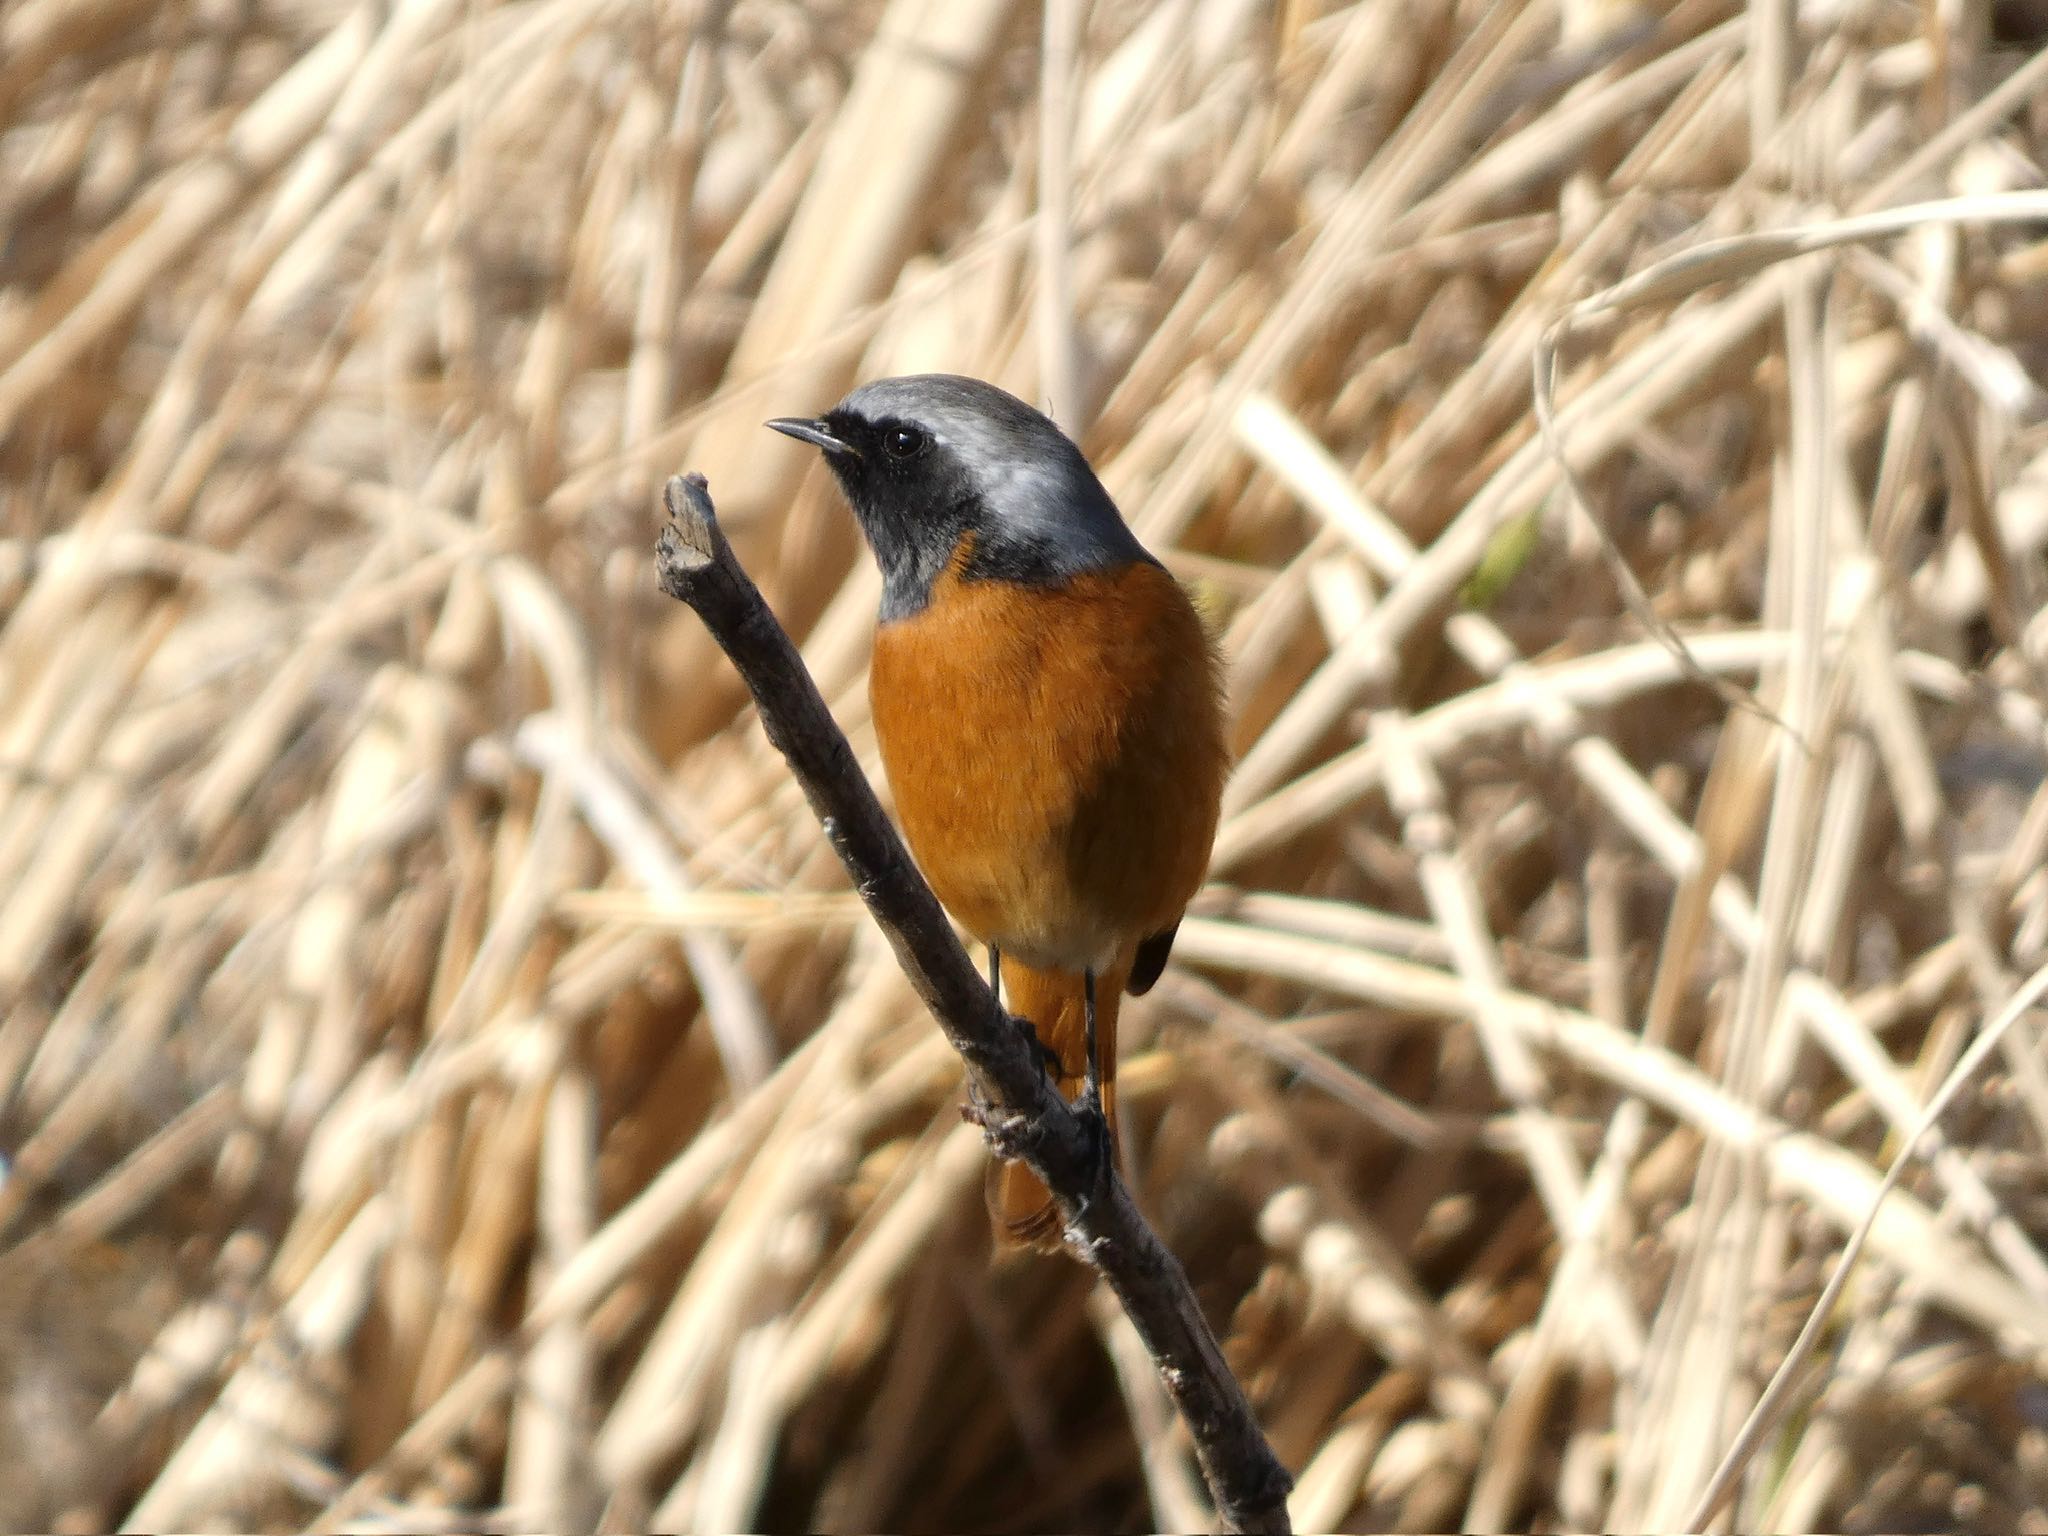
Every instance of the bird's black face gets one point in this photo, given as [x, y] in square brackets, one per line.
[914, 498]
[925, 461]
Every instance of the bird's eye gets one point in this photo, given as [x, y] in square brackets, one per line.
[904, 442]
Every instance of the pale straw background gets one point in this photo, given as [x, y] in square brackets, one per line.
[444, 1079]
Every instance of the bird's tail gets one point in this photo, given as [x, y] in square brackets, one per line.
[1053, 1001]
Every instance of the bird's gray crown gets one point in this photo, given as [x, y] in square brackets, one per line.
[988, 465]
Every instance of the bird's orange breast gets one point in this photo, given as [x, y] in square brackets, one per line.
[1056, 755]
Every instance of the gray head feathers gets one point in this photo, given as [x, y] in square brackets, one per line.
[927, 459]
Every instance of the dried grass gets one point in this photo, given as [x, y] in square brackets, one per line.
[444, 1081]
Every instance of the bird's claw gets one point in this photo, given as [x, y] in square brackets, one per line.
[1048, 1058]
[1096, 1123]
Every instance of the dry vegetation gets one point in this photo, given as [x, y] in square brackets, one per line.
[444, 1080]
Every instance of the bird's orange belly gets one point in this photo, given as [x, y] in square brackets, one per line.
[1056, 757]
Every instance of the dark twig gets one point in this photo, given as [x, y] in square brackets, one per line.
[1025, 1117]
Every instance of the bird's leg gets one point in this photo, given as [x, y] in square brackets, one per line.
[1089, 1105]
[1091, 1080]
[976, 1110]
[1047, 1056]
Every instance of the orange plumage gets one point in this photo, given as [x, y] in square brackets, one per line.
[1057, 758]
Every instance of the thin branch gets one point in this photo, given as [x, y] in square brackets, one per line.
[1025, 1117]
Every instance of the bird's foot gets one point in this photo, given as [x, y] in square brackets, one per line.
[1096, 1124]
[1048, 1058]
[977, 1110]
[995, 1123]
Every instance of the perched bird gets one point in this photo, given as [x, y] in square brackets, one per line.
[1048, 708]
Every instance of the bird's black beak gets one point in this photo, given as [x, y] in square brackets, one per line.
[805, 430]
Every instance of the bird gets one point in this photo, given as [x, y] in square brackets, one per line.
[1049, 707]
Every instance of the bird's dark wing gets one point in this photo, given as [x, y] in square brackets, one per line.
[1150, 961]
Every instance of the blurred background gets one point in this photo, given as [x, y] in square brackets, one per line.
[445, 1081]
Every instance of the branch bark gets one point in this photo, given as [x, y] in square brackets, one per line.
[1025, 1117]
